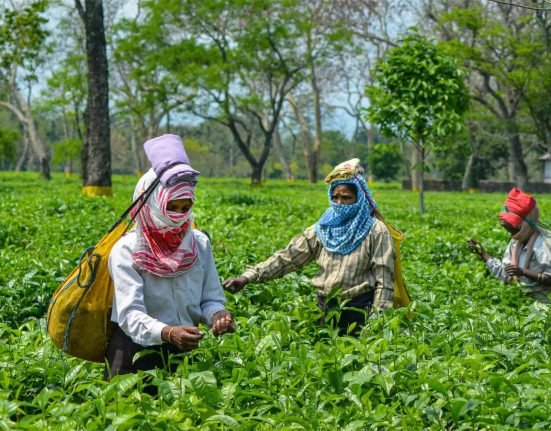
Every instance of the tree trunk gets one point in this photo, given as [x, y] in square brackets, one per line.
[96, 154]
[469, 181]
[24, 154]
[370, 138]
[256, 175]
[421, 169]
[520, 172]
[305, 132]
[68, 169]
[416, 161]
[281, 156]
[256, 165]
[315, 153]
[134, 146]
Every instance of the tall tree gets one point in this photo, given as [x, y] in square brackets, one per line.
[63, 99]
[538, 95]
[145, 92]
[22, 37]
[324, 32]
[418, 95]
[501, 47]
[96, 152]
[241, 59]
[372, 25]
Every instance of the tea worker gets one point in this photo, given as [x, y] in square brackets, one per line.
[166, 282]
[527, 257]
[351, 246]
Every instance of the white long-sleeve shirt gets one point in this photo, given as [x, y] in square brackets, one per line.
[145, 303]
[540, 262]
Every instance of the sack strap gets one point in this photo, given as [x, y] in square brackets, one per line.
[140, 202]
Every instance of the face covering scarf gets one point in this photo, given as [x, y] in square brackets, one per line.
[166, 246]
[342, 228]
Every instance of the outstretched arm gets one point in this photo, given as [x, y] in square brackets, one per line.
[494, 265]
[299, 252]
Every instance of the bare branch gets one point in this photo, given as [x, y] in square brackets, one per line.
[521, 5]
[80, 10]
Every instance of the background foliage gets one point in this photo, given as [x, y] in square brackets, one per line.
[277, 89]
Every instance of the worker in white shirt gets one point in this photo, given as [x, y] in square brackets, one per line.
[166, 282]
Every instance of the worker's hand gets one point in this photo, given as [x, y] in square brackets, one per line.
[477, 248]
[222, 322]
[235, 284]
[514, 271]
[186, 338]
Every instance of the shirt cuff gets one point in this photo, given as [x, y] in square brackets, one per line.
[383, 305]
[251, 275]
[156, 333]
[491, 262]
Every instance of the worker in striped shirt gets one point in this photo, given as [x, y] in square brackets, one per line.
[352, 247]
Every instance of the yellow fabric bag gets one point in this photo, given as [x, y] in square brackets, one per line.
[79, 315]
[401, 295]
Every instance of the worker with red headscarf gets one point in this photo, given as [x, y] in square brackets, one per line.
[528, 255]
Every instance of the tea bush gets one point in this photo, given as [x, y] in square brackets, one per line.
[472, 353]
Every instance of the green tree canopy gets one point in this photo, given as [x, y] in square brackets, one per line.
[418, 95]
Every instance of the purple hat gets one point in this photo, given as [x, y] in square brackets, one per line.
[166, 150]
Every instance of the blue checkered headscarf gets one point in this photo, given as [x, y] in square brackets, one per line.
[343, 227]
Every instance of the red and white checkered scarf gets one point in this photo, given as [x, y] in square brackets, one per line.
[166, 244]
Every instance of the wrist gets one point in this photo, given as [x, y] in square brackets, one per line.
[220, 313]
[166, 334]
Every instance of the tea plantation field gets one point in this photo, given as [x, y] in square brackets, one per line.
[474, 354]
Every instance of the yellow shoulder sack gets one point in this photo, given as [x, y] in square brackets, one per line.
[401, 295]
[79, 315]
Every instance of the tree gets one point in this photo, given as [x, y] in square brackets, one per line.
[240, 58]
[538, 95]
[64, 98]
[146, 93]
[96, 154]
[418, 95]
[22, 37]
[324, 31]
[503, 50]
[371, 24]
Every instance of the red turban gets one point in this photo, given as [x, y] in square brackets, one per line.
[518, 206]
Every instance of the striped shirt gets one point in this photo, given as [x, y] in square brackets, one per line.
[368, 267]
